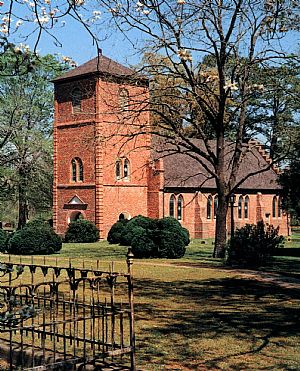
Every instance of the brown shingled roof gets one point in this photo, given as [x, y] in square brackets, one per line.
[99, 65]
[184, 171]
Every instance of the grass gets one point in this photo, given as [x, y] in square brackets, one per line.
[195, 314]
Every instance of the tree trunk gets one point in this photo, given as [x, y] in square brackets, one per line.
[221, 231]
[23, 210]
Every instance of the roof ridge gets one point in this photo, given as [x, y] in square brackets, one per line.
[99, 65]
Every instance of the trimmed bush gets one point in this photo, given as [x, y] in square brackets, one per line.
[171, 245]
[3, 240]
[82, 231]
[142, 244]
[253, 245]
[151, 238]
[172, 225]
[130, 229]
[37, 237]
[116, 231]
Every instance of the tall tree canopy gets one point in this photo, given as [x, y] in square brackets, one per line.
[26, 115]
[212, 65]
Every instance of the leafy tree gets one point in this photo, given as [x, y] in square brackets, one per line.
[26, 112]
[290, 180]
[210, 55]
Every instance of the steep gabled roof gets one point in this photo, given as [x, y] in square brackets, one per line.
[100, 65]
[183, 170]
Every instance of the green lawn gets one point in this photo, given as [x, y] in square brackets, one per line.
[196, 314]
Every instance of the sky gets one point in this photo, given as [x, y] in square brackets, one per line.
[78, 44]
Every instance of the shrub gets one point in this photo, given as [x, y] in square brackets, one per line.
[171, 245]
[142, 244]
[3, 240]
[130, 229]
[116, 231]
[82, 231]
[37, 237]
[253, 245]
[172, 225]
[156, 238]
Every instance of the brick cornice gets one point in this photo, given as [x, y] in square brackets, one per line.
[76, 186]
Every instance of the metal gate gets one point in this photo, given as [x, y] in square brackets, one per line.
[66, 318]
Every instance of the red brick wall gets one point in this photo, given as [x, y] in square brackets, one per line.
[102, 134]
[74, 136]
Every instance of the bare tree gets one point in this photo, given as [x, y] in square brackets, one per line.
[203, 57]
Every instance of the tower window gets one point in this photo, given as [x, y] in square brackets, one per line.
[76, 170]
[123, 99]
[76, 100]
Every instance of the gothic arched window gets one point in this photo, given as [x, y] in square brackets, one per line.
[215, 206]
[76, 170]
[240, 207]
[118, 169]
[279, 207]
[209, 207]
[246, 208]
[274, 207]
[76, 100]
[126, 169]
[172, 206]
[179, 207]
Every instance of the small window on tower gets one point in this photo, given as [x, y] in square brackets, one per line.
[76, 170]
[123, 99]
[76, 100]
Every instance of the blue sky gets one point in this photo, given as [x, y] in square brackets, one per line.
[78, 44]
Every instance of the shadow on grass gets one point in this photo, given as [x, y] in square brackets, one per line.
[246, 315]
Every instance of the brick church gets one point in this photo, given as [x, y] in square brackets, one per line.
[103, 171]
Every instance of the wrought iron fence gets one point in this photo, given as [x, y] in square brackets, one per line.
[64, 318]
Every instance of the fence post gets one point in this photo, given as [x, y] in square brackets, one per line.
[129, 261]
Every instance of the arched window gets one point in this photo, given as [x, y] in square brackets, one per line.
[76, 100]
[246, 208]
[215, 206]
[172, 206]
[274, 207]
[126, 169]
[209, 207]
[118, 169]
[240, 207]
[76, 215]
[76, 170]
[279, 207]
[123, 99]
[179, 207]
